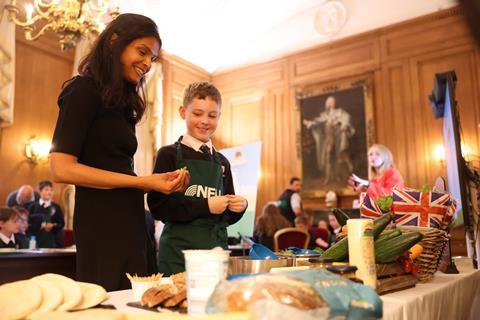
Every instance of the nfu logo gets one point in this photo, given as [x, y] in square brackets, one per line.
[200, 191]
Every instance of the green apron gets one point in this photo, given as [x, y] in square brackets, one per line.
[202, 233]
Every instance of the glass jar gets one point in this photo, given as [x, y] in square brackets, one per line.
[345, 271]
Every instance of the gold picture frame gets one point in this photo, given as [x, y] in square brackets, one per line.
[333, 144]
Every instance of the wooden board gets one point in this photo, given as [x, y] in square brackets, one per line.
[395, 283]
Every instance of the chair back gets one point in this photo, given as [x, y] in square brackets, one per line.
[319, 233]
[69, 239]
[290, 237]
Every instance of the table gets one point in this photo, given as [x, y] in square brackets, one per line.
[449, 297]
[24, 264]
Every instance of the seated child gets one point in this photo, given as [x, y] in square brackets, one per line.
[198, 217]
[9, 225]
[301, 222]
[21, 237]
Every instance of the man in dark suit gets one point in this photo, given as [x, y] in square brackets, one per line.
[46, 218]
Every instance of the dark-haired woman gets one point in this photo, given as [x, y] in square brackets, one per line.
[270, 221]
[93, 147]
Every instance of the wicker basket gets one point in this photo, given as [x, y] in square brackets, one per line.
[433, 242]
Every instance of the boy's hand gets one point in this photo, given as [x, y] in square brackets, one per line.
[49, 226]
[218, 205]
[236, 203]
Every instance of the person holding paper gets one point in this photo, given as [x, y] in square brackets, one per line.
[383, 176]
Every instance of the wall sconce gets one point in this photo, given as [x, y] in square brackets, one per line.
[37, 150]
[439, 154]
[466, 150]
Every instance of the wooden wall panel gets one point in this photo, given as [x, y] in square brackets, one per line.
[438, 31]
[40, 70]
[258, 76]
[394, 121]
[177, 74]
[337, 60]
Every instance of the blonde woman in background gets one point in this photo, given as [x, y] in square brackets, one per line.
[383, 176]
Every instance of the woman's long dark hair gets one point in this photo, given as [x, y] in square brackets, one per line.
[271, 220]
[104, 66]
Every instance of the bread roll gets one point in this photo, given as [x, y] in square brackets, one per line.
[176, 299]
[156, 295]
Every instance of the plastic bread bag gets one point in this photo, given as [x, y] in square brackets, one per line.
[307, 293]
[268, 296]
[344, 297]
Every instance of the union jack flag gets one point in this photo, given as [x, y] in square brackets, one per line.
[369, 208]
[422, 209]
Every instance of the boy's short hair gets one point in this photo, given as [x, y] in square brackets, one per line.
[201, 90]
[45, 183]
[21, 210]
[8, 214]
[293, 179]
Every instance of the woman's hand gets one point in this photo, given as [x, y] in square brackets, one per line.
[236, 203]
[351, 182]
[357, 187]
[168, 182]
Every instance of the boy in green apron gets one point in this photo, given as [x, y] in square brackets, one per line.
[198, 217]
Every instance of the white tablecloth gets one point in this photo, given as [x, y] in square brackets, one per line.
[449, 297]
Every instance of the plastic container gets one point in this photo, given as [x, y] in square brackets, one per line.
[139, 288]
[205, 268]
[361, 250]
[32, 244]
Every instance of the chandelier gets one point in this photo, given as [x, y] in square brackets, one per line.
[69, 19]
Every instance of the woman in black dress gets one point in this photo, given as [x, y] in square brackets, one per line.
[93, 147]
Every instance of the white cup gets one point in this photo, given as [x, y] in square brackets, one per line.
[139, 287]
[205, 268]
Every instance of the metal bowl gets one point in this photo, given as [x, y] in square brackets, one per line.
[299, 259]
[302, 259]
[240, 265]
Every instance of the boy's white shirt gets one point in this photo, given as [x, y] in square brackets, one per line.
[47, 203]
[195, 144]
[6, 239]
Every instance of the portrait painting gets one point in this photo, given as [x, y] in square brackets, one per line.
[335, 131]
